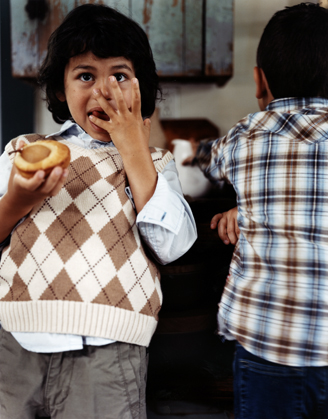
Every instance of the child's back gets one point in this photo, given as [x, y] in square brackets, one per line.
[276, 161]
[275, 302]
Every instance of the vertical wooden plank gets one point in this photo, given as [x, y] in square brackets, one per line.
[58, 9]
[219, 37]
[24, 41]
[193, 27]
[29, 38]
[174, 27]
[163, 23]
[122, 6]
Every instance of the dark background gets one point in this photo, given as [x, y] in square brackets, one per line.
[16, 96]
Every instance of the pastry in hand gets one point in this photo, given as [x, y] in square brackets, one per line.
[41, 155]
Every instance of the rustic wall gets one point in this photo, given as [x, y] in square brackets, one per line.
[225, 106]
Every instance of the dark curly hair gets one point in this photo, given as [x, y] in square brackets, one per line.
[106, 33]
[293, 52]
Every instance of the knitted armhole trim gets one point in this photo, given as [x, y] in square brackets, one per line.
[163, 156]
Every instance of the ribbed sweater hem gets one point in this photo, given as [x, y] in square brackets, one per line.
[84, 319]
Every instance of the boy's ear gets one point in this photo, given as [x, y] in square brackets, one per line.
[61, 96]
[263, 92]
[260, 82]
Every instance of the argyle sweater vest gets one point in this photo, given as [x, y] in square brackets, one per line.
[76, 264]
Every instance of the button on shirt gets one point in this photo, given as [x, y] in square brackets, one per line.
[275, 301]
[166, 225]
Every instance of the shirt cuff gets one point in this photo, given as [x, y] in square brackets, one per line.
[164, 208]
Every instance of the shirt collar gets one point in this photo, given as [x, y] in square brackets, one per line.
[66, 126]
[304, 119]
[295, 104]
[70, 128]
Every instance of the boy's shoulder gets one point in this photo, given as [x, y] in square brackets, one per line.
[161, 157]
[301, 119]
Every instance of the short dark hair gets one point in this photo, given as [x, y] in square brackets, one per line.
[293, 52]
[106, 33]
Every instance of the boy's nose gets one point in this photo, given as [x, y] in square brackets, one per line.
[105, 88]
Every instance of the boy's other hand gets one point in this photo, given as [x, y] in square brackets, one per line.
[130, 134]
[227, 226]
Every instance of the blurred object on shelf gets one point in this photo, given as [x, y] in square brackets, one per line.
[197, 128]
[192, 179]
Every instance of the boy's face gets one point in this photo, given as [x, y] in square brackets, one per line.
[83, 74]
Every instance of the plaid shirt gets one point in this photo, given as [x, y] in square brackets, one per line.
[275, 301]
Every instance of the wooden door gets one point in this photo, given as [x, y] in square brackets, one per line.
[192, 40]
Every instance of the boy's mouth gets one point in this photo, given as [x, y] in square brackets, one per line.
[99, 114]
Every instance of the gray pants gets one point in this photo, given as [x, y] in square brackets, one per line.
[97, 382]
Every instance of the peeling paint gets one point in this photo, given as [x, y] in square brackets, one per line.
[210, 70]
[54, 18]
[219, 37]
[147, 11]
[174, 28]
[183, 6]
[24, 42]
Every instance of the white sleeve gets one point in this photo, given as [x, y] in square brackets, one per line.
[5, 169]
[166, 222]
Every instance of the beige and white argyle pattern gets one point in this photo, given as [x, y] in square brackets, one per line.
[80, 252]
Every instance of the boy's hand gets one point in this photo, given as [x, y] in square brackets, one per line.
[23, 194]
[26, 193]
[129, 132]
[227, 226]
[130, 135]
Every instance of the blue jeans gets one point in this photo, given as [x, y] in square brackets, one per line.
[265, 390]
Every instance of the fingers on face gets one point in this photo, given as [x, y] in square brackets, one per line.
[118, 98]
[103, 102]
[136, 97]
[117, 94]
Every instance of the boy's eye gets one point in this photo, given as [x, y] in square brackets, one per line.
[120, 77]
[86, 77]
